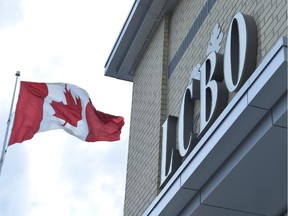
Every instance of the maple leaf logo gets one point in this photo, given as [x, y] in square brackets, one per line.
[215, 40]
[71, 112]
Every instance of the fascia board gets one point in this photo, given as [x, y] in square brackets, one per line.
[136, 32]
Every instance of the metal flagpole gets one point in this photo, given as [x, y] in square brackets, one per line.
[4, 147]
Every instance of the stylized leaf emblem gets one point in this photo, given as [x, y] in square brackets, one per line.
[215, 40]
[71, 112]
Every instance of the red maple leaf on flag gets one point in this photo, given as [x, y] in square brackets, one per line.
[71, 112]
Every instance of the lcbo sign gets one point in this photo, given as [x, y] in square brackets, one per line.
[218, 75]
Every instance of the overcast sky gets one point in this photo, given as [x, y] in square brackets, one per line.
[68, 41]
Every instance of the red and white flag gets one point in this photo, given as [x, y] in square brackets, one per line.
[47, 106]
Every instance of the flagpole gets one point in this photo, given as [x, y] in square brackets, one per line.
[4, 147]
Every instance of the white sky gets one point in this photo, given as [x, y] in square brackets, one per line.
[63, 41]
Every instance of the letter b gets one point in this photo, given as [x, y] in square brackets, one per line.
[214, 96]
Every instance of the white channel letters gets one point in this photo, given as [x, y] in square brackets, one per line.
[218, 76]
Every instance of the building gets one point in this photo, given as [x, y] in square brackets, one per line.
[208, 130]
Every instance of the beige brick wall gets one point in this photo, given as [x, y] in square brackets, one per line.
[154, 97]
[148, 105]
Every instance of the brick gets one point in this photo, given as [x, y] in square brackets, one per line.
[281, 26]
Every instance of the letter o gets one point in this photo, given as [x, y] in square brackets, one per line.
[240, 51]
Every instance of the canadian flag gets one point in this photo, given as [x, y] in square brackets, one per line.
[47, 106]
